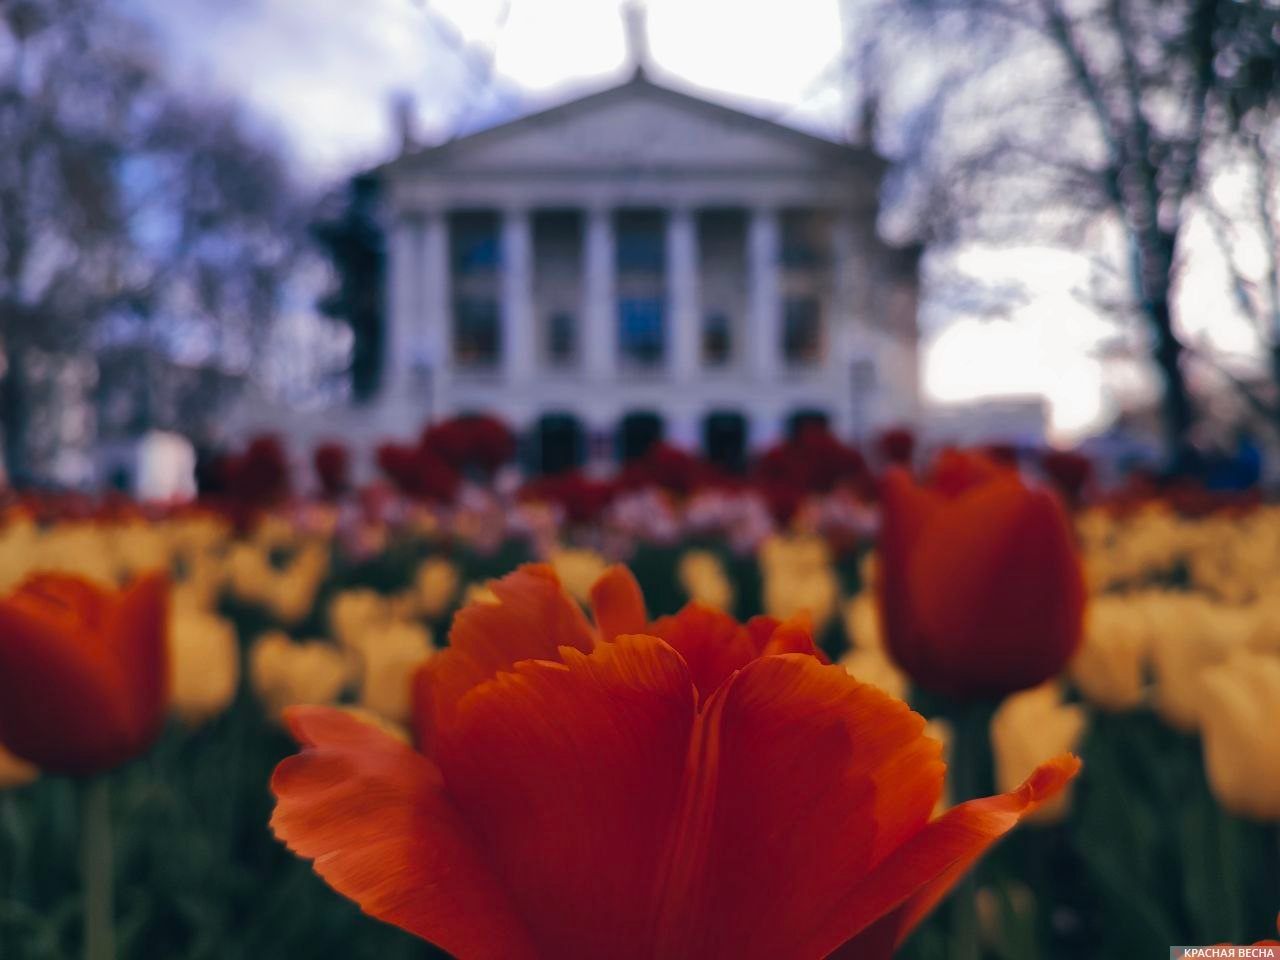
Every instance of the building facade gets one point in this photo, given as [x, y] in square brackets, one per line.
[641, 262]
[638, 263]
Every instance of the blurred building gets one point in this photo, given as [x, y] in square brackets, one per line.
[638, 263]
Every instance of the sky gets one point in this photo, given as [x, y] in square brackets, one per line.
[323, 72]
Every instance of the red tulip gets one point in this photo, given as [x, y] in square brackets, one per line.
[582, 499]
[333, 468]
[689, 788]
[417, 472]
[981, 590]
[472, 441]
[814, 461]
[667, 467]
[84, 672]
[897, 445]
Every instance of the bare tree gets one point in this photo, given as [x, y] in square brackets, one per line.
[127, 210]
[1063, 116]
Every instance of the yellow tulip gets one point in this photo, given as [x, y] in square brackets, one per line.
[797, 578]
[1110, 666]
[870, 665]
[292, 592]
[703, 578]
[390, 656]
[862, 622]
[1186, 639]
[285, 673]
[353, 612]
[578, 570]
[204, 663]
[435, 585]
[1240, 727]
[1028, 727]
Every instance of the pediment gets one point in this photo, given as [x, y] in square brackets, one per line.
[638, 125]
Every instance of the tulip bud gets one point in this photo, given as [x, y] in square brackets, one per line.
[1239, 725]
[981, 591]
[1029, 726]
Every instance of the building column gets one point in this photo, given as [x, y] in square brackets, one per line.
[434, 355]
[764, 292]
[519, 341]
[403, 307]
[683, 308]
[599, 313]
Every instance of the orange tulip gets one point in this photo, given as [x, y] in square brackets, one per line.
[690, 788]
[83, 671]
[981, 591]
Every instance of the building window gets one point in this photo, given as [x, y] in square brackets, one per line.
[805, 419]
[560, 442]
[477, 336]
[640, 239]
[801, 242]
[802, 331]
[562, 339]
[724, 438]
[637, 432]
[477, 248]
[717, 339]
[641, 334]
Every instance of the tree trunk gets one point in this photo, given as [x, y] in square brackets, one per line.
[1178, 412]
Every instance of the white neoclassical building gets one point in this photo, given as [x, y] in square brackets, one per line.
[634, 263]
[641, 261]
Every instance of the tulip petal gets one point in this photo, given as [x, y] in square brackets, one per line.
[712, 643]
[63, 704]
[373, 816]
[906, 511]
[139, 641]
[805, 781]
[570, 773]
[617, 603]
[532, 620]
[914, 879]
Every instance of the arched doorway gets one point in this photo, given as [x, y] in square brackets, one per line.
[560, 442]
[638, 431]
[724, 438]
[806, 417]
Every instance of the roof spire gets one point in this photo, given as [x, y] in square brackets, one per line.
[633, 14]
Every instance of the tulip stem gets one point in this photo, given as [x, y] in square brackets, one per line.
[970, 777]
[97, 869]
